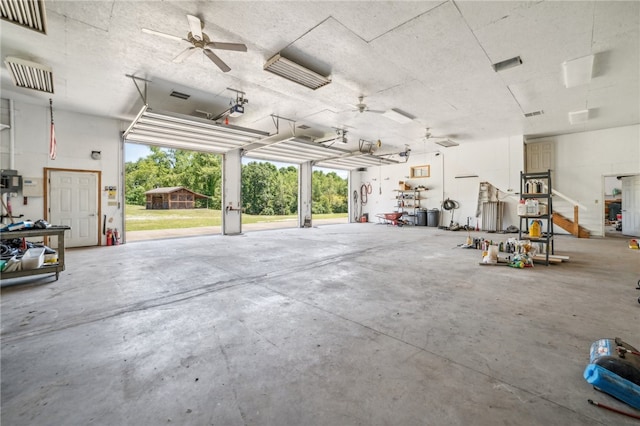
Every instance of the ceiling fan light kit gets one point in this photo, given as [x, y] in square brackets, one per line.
[292, 71]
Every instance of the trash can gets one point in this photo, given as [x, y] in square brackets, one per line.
[421, 218]
[433, 217]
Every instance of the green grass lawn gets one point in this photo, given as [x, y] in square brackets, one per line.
[140, 219]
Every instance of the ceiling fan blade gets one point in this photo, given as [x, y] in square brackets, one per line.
[158, 33]
[238, 47]
[184, 54]
[195, 25]
[216, 60]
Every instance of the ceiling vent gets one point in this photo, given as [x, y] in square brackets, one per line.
[506, 64]
[578, 117]
[447, 143]
[27, 13]
[179, 95]
[303, 127]
[30, 75]
[290, 70]
[534, 113]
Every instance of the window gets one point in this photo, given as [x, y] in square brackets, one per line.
[420, 171]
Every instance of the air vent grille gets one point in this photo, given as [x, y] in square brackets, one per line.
[179, 95]
[508, 63]
[534, 113]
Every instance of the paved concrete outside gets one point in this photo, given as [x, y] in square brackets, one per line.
[355, 324]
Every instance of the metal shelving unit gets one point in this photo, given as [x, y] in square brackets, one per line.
[408, 202]
[528, 181]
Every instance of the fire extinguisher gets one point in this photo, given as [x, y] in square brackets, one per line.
[109, 237]
[116, 237]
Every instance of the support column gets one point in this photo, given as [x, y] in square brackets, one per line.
[305, 176]
[232, 192]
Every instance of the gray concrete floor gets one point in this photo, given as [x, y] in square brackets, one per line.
[360, 324]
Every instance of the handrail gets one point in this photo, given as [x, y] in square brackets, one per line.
[561, 195]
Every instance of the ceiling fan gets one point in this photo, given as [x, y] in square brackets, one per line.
[362, 107]
[200, 40]
[439, 140]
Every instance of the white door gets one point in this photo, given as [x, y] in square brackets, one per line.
[73, 201]
[540, 157]
[631, 205]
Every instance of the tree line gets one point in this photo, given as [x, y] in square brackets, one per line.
[266, 190]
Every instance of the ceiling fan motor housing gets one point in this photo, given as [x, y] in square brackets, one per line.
[199, 43]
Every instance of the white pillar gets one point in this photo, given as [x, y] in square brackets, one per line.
[305, 176]
[232, 192]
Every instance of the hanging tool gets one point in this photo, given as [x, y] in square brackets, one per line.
[615, 410]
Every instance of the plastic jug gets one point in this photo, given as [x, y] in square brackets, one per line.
[535, 229]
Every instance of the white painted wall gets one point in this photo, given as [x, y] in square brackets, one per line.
[496, 161]
[582, 159]
[77, 135]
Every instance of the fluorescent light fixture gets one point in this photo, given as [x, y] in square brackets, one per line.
[578, 117]
[290, 70]
[398, 116]
[506, 64]
[30, 75]
[578, 71]
[27, 13]
[447, 143]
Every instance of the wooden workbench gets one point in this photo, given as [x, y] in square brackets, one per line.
[29, 234]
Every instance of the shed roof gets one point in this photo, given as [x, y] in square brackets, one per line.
[170, 189]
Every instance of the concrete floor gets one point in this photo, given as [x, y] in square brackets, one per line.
[360, 324]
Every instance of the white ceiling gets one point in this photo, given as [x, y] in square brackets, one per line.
[431, 59]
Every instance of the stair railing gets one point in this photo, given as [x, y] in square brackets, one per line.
[576, 205]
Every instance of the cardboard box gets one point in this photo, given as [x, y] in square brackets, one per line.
[403, 186]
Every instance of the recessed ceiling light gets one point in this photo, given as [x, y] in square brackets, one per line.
[578, 71]
[399, 116]
[577, 117]
[506, 64]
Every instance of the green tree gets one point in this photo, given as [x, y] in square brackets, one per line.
[258, 187]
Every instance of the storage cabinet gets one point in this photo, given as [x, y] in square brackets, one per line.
[535, 188]
[54, 231]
